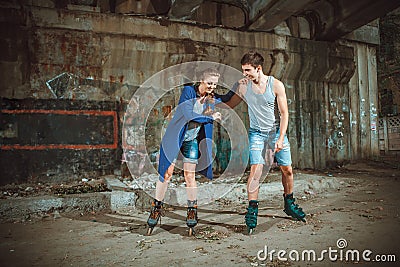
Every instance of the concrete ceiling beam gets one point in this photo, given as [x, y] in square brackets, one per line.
[183, 9]
[265, 15]
[350, 15]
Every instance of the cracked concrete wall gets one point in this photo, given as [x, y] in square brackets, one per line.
[109, 56]
[389, 62]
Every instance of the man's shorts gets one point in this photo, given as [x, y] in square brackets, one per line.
[190, 151]
[259, 142]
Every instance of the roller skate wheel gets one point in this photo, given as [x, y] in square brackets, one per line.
[250, 231]
[191, 231]
[149, 230]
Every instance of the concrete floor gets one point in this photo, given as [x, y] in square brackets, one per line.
[361, 211]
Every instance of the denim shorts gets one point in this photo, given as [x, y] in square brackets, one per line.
[190, 151]
[260, 142]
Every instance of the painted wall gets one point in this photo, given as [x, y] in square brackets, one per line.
[389, 62]
[331, 87]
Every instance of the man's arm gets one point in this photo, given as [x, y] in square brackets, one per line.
[233, 97]
[279, 90]
[225, 98]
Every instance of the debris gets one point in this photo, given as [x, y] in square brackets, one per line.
[79, 188]
[56, 214]
[201, 250]
[210, 234]
[309, 192]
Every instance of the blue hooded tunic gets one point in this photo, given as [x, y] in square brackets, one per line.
[177, 127]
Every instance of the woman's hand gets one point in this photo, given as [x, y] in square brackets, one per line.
[216, 116]
[206, 98]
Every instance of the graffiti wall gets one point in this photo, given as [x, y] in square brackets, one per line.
[65, 58]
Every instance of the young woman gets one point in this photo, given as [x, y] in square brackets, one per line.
[191, 124]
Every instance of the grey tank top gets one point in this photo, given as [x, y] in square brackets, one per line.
[261, 107]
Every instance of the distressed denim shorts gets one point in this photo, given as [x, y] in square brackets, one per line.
[190, 151]
[260, 142]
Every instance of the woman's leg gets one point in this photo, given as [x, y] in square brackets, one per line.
[191, 185]
[161, 187]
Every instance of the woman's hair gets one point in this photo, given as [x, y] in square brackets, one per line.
[253, 58]
[209, 72]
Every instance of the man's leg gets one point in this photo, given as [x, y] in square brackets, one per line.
[291, 208]
[253, 185]
[256, 147]
[253, 182]
[284, 160]
[287, 179]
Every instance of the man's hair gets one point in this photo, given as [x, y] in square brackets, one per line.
[253, 58]
[209, 72]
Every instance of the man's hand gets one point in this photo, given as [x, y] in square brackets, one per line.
[278, 145]
[244, 81]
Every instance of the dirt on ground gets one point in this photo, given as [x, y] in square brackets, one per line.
[357, 223]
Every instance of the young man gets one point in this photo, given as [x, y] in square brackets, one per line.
[191, 124]
[262, 93]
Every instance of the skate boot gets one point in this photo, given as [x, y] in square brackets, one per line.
[251, 216]
[191, 218]
[293, 209]
[155, 215]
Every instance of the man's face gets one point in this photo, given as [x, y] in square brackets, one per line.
[210, 82]
[250, 72]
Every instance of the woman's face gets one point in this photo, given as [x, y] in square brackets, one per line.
[210, 83]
